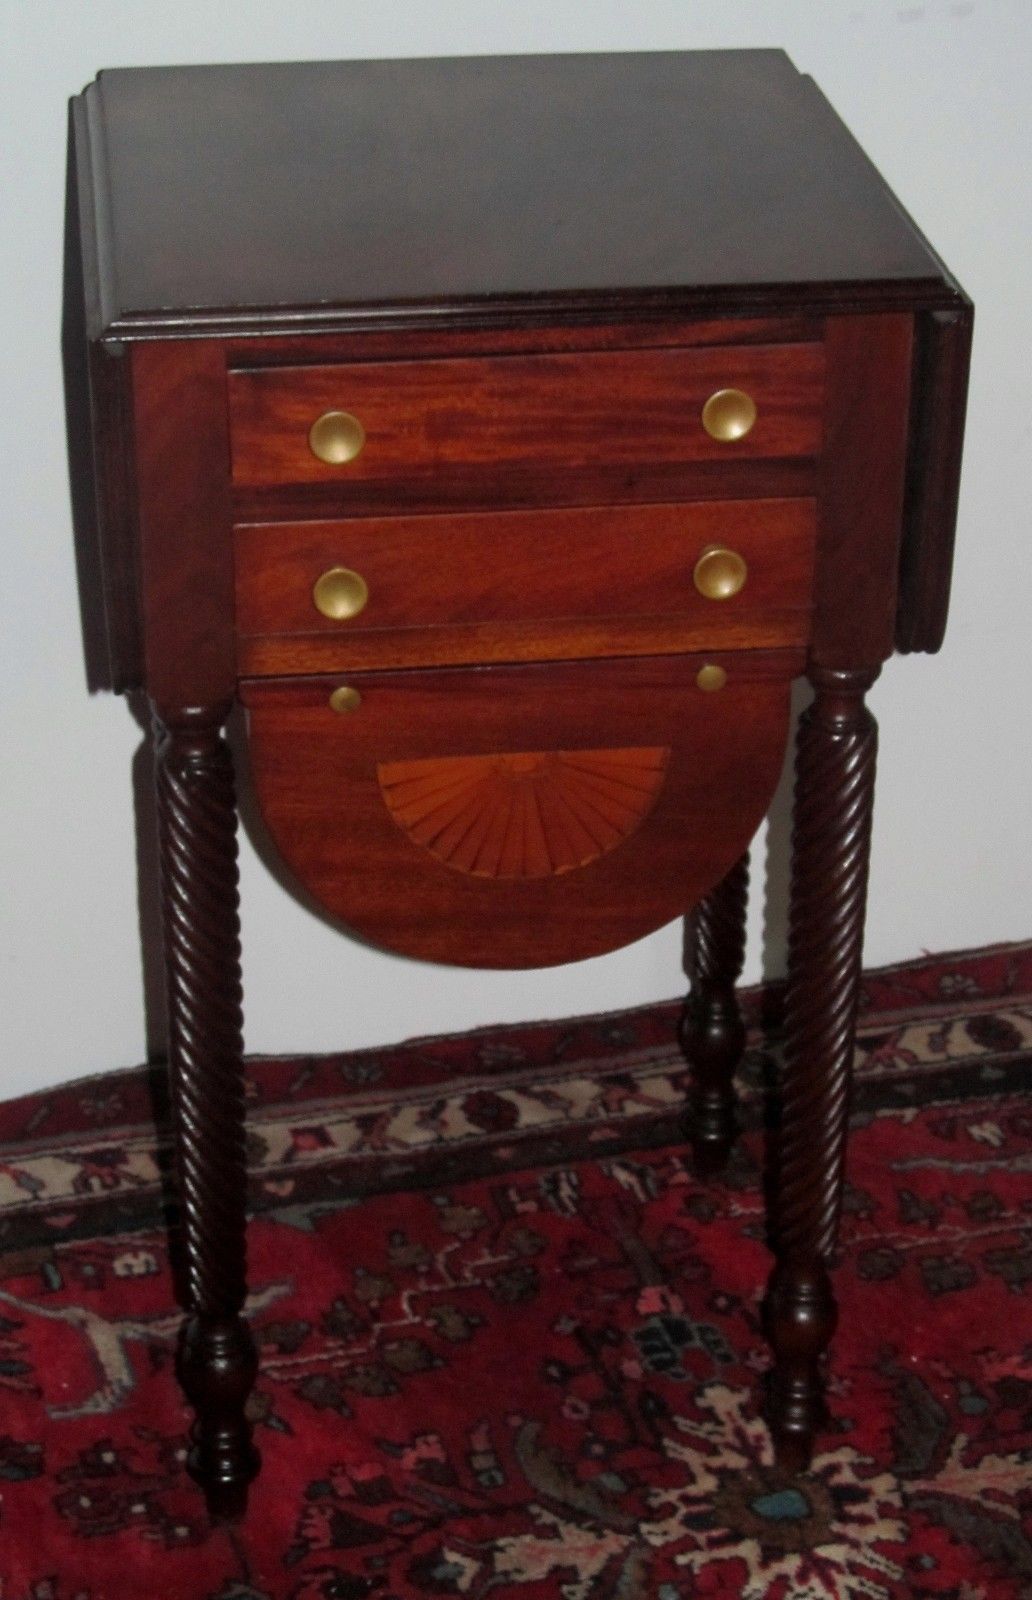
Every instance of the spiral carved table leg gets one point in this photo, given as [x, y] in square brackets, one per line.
[712, 1032]
[197, 835]
[831, 841]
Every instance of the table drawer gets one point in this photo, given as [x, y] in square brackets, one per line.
[406, 420]
[517, 568]
[518, 816]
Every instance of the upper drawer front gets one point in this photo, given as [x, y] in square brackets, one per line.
[543, 412]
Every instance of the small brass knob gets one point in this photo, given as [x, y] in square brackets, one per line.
[710, 677]
[345, 699]
[719, 573]
[336, 437]
[340, 593]
[729, 415]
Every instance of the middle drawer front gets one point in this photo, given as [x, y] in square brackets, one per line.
[496, 579]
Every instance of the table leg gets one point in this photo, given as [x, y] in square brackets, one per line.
[830, 848]
[712, 1033]
[197, 835]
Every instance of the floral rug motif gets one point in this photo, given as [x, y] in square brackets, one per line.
[510, 1346]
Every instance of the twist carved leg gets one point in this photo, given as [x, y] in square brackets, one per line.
[712, 1032]
[197, 836]
[830, 849]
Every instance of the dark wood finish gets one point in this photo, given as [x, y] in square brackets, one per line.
[712, 1032]
[861, 488]
[422, 340]
[467, 645]
[730, 474]
[845, 214]
[587, 565]
[185, 555]
[830, 848]
[197, 837]
[525, 275]
[507, 413]
[99, 429]
[315, 774]
[464, 489]
[930, 518]
[116, 500]
[220, 207]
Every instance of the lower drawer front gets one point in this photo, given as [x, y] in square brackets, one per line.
[519, 816]
[513, 570]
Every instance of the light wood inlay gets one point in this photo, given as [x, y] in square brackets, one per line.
[524, 815]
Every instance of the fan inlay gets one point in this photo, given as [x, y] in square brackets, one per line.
[528, 814]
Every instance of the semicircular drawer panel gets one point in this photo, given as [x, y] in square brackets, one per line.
[518, 816]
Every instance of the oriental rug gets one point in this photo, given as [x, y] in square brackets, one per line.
[511, 1347]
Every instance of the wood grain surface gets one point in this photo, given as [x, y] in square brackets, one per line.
[185, 550]
[535, 566]
[861, 487]
[316, 777]
[294, 194]
[505, 413]
[941, 372]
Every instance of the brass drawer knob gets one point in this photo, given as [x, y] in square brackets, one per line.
[719, 573]
[336, 437]
[729, 415]
[710, 678]
[340, 593]
[345, 699]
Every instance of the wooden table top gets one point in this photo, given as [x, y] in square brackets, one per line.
[225, 196]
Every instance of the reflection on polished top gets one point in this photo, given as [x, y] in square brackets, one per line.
[476, 178]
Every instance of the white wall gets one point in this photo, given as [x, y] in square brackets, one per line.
[938, 93]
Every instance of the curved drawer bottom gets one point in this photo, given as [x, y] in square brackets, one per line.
[518, 816]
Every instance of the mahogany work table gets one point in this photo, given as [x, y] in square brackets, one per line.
[505, 436]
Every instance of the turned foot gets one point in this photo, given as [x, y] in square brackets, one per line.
[712, 1033]
[217, 1367]
[801, 1318]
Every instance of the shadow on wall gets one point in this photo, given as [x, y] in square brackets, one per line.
[81, 486]
[778, 856]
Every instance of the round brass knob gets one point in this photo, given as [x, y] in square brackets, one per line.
[340, 593]
[336, 437]
[345, 699]
[719, 574]
[729, 415]
[710, 677]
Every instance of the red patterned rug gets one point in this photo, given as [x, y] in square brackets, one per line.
[526, 1361]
